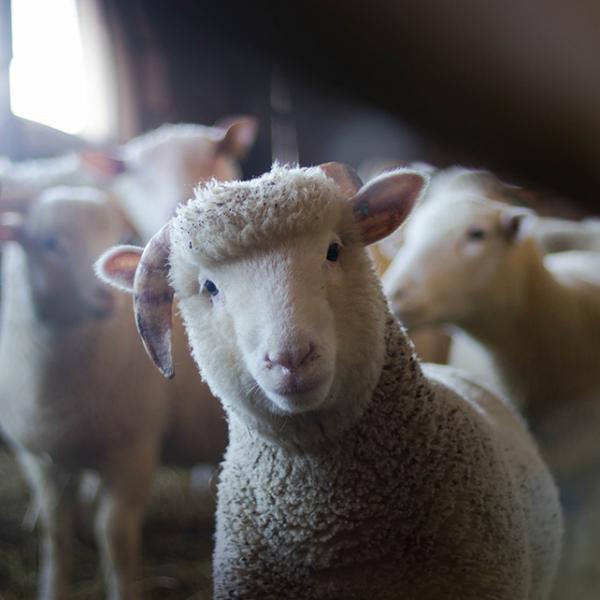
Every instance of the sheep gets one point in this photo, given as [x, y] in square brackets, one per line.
[163, 164]
[352, 470]
[559, 235]
[474, 264]
[77, 391]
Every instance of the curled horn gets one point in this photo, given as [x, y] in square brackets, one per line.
[153, 301]
[345, 177]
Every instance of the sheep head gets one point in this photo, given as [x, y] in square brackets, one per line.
[62, 233]
[277, 293]
[459, 259]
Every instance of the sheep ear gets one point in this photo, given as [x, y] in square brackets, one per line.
[104, 164]
[239, 134]
[345, 177]
[117, 266]
[12, 227]
[516, 223]
[153, 301]
[382, 205]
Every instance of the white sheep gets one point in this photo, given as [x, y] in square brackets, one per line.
[560, 235]
[149, 175]
[352, 471]
[473, 264]
[78, 392]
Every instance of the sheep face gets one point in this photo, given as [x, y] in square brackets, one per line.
[62, 234]
[457, 257]
[281, 305]
[290, 321]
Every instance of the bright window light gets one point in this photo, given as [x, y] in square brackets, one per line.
[47, 77]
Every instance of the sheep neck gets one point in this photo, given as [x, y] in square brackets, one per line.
[316, 432]
[528, 336]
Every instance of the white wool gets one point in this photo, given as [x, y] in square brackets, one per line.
[396, 482]
[224, 220]
[167, 135]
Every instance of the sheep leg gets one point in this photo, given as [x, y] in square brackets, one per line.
[126, 485]
[55, 495]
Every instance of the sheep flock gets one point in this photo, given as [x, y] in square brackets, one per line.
[346, 467]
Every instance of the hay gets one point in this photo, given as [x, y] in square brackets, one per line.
[177, 540]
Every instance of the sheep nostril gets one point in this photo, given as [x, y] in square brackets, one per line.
[290, 359]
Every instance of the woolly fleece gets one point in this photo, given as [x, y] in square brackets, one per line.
[433, 489]
[226, 219]
[430, 495]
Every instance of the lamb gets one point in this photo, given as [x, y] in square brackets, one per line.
[352, 470]
[77, 391]
[474, 264]
[163, 164]
[435, 344]
[458, 258]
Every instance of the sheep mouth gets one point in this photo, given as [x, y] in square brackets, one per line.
[294, 384]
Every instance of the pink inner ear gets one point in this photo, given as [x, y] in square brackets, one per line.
[121, 266]
[239, 135]
[381, 207]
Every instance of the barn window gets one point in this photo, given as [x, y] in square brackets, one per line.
[60, 72]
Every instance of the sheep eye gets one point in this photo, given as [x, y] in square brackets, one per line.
[476, 233]
[211, 288]
[333, 252]
[50, 244]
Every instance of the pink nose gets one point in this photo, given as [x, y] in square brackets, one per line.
[290, 359]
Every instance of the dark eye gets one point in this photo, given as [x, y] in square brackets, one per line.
[333, 252]
[476, 233]
[211, 288]
[50, 244]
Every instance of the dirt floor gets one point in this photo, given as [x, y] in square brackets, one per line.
[177, 541]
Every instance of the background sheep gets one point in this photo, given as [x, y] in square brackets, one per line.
[434, 343]
[77, 391]
[343, 453]
[471, 263]
[149, 175]
[559, 235]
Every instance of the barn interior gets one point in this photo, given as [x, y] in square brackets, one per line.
[509, 87]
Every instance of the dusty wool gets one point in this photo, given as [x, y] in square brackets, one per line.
[224, 220]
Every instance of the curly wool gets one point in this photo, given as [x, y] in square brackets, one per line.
[226, 219]
[416, 485]
[430, 490]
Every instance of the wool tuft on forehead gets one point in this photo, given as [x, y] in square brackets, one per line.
[225, 220]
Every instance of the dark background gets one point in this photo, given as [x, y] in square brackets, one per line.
[512, 85]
